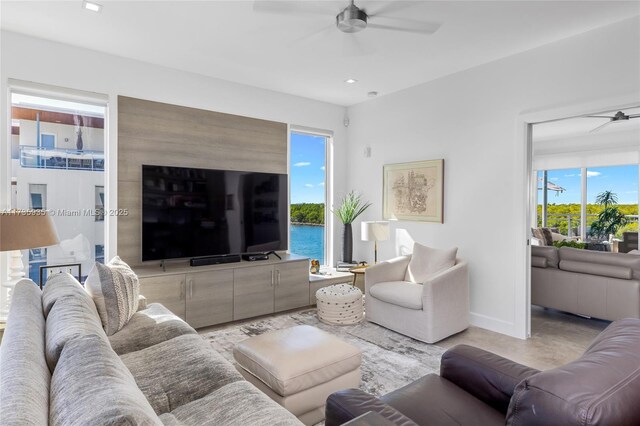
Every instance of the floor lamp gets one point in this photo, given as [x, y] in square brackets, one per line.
[19, 230]
[375, 231]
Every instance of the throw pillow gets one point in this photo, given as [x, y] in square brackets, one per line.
[114, 288]
[537, 233]
[426, 262]
[548, 236]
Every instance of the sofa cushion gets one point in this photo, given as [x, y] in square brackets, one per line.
[148, 327]
[600, 269]
[538, 262]
[549, 253]
[237, 403]
[24, 375]
[91, 386]
[61, 285]
[615, 259]
[178, 371]
[401, 293]
[426, 262]
[70, 317]
[599, 388]
[114, 288]
[432, 400]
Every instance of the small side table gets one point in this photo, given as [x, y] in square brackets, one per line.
[318, 281]
[358, 272]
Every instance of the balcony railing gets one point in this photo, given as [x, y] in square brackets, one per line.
[569, 223]
[68, 159]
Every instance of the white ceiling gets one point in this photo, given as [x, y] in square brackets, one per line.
[303, 53]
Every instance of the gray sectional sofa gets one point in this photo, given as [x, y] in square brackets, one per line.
[596, 284]
[58, 367]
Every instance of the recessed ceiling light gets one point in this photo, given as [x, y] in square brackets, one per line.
[94, 7]
[350, 80]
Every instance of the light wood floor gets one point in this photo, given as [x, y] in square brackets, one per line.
[556, 338]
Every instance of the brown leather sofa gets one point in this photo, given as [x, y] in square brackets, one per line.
[476, 387]
[591, 283]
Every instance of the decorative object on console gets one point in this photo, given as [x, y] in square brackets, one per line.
[315, 266]
[114, 288]
[414, 191]
[375, 231]
[350, 208]
[24, 229]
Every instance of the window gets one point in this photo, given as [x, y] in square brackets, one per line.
[308, 186]
[37, 196]
[568, 212]
[60, 142]
[99, 252]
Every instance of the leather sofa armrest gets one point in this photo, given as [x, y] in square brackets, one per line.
[348, 404]
[485, 375]
[142, 303]
[389, 270]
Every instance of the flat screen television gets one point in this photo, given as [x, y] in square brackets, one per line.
[188, 212]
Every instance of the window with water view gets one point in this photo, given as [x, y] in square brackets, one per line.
[308, 195]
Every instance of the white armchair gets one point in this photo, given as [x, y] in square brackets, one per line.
[428, 311]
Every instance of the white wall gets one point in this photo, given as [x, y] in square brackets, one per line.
[81, 69]
[472, 119]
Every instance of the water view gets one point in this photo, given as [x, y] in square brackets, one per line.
[308, 240]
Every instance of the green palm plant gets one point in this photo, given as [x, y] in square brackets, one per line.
[351, 207]
[610, 218]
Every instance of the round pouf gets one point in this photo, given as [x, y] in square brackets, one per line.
[340, 304]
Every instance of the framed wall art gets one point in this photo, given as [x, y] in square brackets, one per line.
[414, 191]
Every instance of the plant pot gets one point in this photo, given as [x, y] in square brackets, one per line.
[347, 243]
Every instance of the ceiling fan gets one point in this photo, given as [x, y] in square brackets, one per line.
[618, 117]
[354, 19]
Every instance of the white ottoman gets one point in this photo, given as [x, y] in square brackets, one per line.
[299, 367]
[340, 304]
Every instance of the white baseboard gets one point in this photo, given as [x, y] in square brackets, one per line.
[495, 324]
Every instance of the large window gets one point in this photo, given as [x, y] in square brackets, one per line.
[60, 142]
[573, 198]
[308, 175]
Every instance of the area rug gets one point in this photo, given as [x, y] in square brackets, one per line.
[389, 360]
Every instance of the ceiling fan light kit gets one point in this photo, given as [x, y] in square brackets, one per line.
[351, 19]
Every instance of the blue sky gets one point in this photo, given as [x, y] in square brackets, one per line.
[307, 168]
[623, 180]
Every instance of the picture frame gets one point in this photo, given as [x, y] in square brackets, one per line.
[414, 191]
[47, 270]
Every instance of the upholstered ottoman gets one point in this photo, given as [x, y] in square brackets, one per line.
[299, 367]
[340, 304]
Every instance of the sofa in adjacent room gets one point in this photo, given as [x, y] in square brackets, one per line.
[476, 387]
[59, 367]
[591, 283]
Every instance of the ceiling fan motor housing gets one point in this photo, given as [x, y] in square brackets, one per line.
[351, 19]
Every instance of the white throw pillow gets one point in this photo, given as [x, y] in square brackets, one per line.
[426, 262]
[114, 288]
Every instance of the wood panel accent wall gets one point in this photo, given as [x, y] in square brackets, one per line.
[169, 135]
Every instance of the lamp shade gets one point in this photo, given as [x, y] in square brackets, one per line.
[24, 229]
[375, 231]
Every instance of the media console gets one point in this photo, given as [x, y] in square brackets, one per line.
[216, 294]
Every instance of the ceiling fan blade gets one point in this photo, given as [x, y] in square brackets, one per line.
[601, 126]
[388, 8]
[316, 35]
[600, 116]
[352, 46]
[424, 28]
[293, 7]
[634, 116]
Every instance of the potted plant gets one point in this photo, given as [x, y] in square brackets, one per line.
[610, 218]
[350, 208]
